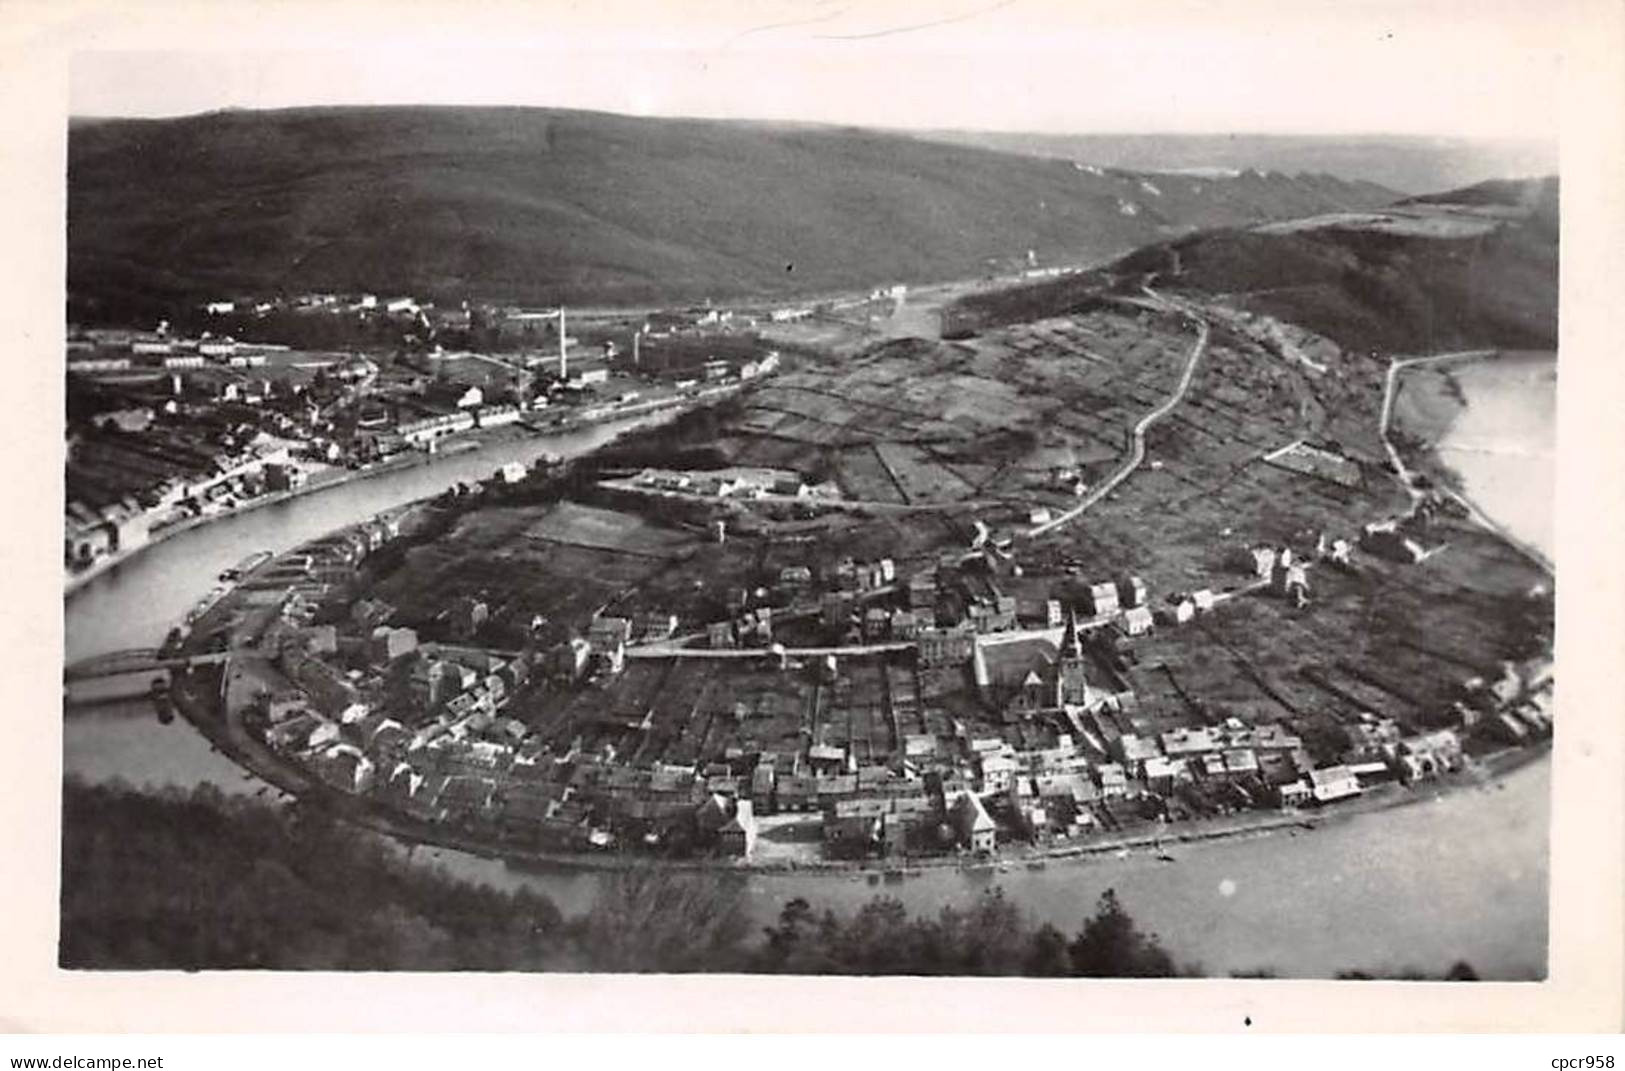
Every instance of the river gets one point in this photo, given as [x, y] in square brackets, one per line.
[1460, 877]
[1504, 444]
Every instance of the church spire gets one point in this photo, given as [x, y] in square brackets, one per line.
[1071, 642]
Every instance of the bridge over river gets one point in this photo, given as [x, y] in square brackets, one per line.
[135, 660]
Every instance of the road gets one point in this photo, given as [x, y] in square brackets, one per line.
[1391, 389]
[820, 502]
[1137, 448]
[668, 651]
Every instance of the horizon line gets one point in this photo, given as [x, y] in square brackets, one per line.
[1550, 141]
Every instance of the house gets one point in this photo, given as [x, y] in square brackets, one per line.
[607, 632]
[762, 780]
[738, 835]
[1203, 599]
[919, 745]
[321, 639]
[1038, 515]
[388, 644]
[1263, 560]
[796, 792]
[1137, 621]
[609, 659]
[1188, 741]
[1180, 611]
[1333, 783]
[1102, 599]
[997, 772]
[977, 830]
[1293, 793]
[1054, 614]
[1112, 780]
[1161, 773]
[657, 625]
[945, 647]
[826, 758]
[1291, 580]
[1241, 762]
[1429, 755]
[1131, 592]
[1132, 750]
[1508, 729]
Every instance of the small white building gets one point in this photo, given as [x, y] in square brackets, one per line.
[1333, 783]
[1137, 621]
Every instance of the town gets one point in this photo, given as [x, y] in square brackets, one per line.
[185, 422]
[835, 617]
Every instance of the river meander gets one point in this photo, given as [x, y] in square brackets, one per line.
[1458, 877]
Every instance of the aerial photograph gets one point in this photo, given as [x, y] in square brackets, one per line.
[866, 494]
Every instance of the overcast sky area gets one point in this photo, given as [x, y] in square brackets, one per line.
[1431, 67]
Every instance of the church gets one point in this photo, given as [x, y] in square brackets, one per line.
[1019, 677]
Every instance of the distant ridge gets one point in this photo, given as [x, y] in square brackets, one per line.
[531, 204]
[1411, 164]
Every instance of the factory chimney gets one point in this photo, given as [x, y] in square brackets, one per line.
[564, 357]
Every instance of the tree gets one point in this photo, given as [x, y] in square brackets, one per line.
[649, 918]
[1047, 954]
[1110, 945]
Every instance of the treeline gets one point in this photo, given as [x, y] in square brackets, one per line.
[991, 937]
[198, 880]
[201, 881]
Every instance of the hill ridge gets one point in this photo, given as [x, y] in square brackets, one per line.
[544, 204]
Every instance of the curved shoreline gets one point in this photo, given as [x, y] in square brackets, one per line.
[1431, 459]
[224, 731]
[76, 582]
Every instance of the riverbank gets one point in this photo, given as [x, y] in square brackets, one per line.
[1468, 415]
[75, 582]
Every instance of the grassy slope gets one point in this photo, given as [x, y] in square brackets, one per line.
[541, 204]
[1365, 289]
[1362, 288]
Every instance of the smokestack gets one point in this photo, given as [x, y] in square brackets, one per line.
[564, 357]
